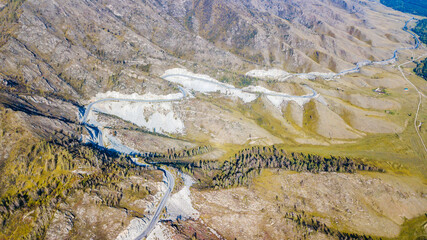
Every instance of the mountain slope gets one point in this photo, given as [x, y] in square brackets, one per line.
[191, 83]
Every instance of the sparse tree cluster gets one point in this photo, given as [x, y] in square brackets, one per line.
[205, 168]
[173, 154]
[45, 173]
[305, 221]
[248, 163]
[112, 200]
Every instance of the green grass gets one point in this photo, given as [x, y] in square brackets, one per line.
[386, 150]
[414, 229]
[310, 117]
[400, 153]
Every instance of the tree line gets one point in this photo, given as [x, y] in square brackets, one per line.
[303, 220]
[173, 154]
[248, 164]
[58, 168]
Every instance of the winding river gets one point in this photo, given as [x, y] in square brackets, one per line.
[96, 135]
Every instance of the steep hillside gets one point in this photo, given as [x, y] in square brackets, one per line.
[299, 118]
[77, 48]
[62, 189]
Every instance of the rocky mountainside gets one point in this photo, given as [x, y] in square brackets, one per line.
[69, 51]
[190, 84]
[78, 47]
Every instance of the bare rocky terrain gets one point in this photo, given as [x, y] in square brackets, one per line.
[238, 74]
[72, 53]
[374, 205]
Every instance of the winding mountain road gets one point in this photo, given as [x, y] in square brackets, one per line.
[360, 64]
[97, 136]
[420, 99]
[171, 183]
[393, 58]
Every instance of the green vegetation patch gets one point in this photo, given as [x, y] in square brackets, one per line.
[9, 16]
[421, 30]
[306, 221]
[37, 175]
[421, 69]
[416, 7]
[238, 80]
[249, 163]
[414, 228]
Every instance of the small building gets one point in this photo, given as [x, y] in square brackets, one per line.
[406, 89]
[379, 90]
